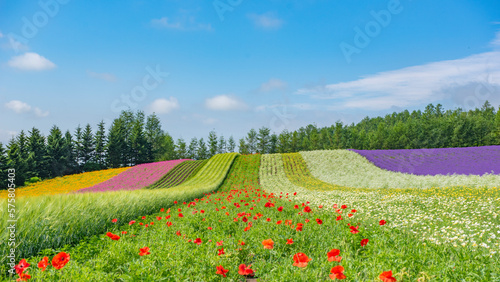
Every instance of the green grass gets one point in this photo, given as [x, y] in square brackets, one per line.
[244, 173]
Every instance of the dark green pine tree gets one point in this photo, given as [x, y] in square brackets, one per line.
[231, 145]
[181, 149]
[222, 145]
[154, 137]
[138, 142]
[77, 147]
[243, 147]
[16, 161]
[116, 144]
[69, 150]
[56, 150]
[128, 119]
[3, 168]
[263, 139]
[212, 143]
[193, 149]
[283, 145]
[100, 141]
[88, 148]
[202, 150]
[168, 147]
[251, 141]
[273, 144]
[38, 157]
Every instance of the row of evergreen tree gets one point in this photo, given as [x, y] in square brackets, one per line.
[134, 138]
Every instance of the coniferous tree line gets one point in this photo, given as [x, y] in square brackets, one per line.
[133, 138]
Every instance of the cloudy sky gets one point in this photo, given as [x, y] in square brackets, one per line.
[232, 65]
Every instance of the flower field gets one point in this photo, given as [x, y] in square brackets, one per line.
[469, 160]
[180, 173]
[347, 168]
[277, 217]
[66, 184]
[136, 177]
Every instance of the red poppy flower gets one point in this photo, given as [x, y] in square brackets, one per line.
[202, 211]
[245, 270]
[169, 223]
[244, 219]
[382, 222]
[144, 251]
[131, 222]
[337, 273]
[175, 202]
[319, 221]
[221, 252]
[246, 228]
[23, 277]
[21, 267]
[364, 242]
[43, 263]
[280, 209]
[353, 211]
[167, 217]
[307, 209]
[354, 229]
[300, 226]
[197, 241]
[295, 193]
[289, 241]
[124, 232]
[60, 260]
[343, 207]
[143, 217]
[279, 222]
[333, 255]
[387, 276]
[242, 243]
[300, 260]
[221, 270]
[162, 210]
[339, 217]
[296, 206]
[219, 243]
[335, 206]
[158, 217]
[209, 228]
[178, 233]
[268, 244]
[181, 215]
[320, 206]
[307, 220]
[114, 220]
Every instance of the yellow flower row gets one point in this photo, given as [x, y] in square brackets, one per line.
[65, 184]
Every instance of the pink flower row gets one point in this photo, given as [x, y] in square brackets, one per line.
[136, 177]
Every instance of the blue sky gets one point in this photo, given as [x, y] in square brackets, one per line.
[232, 65]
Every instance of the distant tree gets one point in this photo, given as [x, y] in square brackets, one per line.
[100, 141]
[251, 141]
[3, 167]
[202, 150]
[193, 149]
[181, 149]
[116, 143]
[168, 147]
[283, 145]
[263, 138]
[87, 146]
[69, 151]
[243, 148]
[231, 145]
[56, 150]
[37, 158]
[138, 141]
[154, 137]
[222, 146]
[16, 162]
[77, 146]
[273, 144]
[212, 143]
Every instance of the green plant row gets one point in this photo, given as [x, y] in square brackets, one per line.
[51, 222]
[179, 174]
[244, 173]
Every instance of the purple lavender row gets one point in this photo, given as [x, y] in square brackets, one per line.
[444, 161]
[136, 177]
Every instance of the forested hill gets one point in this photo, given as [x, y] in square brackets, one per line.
[133, 138]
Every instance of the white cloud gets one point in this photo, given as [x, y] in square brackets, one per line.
[266, 21]
[496, 42]
[31, 61]
[1, 34]
[164, 106]
[20, 107]
[414, 85]
[104, 76]
[224, 103]
[184, 23]
[273, 84]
